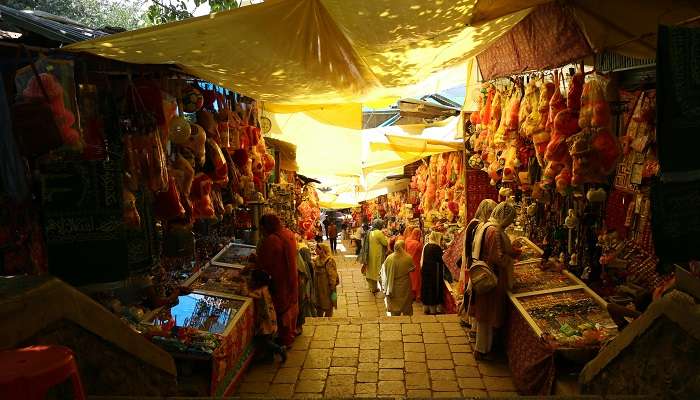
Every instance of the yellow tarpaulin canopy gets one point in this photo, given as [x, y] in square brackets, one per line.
[395, 146]
[301, 54]
[353, 199]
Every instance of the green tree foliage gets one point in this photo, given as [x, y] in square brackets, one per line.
[127, 14]
[163, 11]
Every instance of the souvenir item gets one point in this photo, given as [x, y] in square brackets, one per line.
[192, 100]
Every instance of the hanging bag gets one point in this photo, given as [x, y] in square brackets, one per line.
[481, 274]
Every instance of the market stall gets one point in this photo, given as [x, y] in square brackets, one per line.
[148, 187]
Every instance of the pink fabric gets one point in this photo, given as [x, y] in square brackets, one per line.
[414, 247]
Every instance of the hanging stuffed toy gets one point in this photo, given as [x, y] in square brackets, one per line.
[595, 150]
[202, 207]
[528, 113]
[130, 212]
[192, 100]
[535, 127]
[195, 143]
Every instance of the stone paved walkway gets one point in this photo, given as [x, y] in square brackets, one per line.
[361, 352]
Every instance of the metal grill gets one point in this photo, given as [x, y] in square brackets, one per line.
[611, 61]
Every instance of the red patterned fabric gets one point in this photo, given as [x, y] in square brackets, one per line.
[546, 38]
[616, 211]
[478, 189]
[230, 357]
[448, 302]
[454, 253]
[530, 359]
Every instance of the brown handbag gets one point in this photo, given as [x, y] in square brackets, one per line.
[34, 123]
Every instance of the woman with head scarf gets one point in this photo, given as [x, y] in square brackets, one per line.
[376, 243]
[495, 248]
[395, 281]
[307, 293]
[325, 280]
[405, 233]
[414, 247]
[277, 255]
[432, 274]
[482, 215]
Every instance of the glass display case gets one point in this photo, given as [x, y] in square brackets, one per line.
[234, 255]
[529, 277]
[213, 278]
[200, 311]
[210, 327]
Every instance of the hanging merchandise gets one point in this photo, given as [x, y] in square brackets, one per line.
[45, 118]
[595, 149]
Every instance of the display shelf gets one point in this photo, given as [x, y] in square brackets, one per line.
[567, 317]
[528, 277]
[234, 255]
[214, 278]
[530, 251]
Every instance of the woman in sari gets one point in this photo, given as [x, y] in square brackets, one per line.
[432, 275]
[414, 248]
[495, 247]
[325, 281]
[377, 243]
[277, 255]
[396, 283]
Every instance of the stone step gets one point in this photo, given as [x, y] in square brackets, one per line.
[445, 318]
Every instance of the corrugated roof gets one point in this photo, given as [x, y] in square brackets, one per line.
[43, 24]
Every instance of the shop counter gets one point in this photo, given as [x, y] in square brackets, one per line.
[210, 333]
[554, 316]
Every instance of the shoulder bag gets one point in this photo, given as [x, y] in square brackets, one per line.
[481, 274]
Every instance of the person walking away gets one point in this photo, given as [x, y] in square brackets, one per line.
[325, 281]
[495, 248]
[482, 215]
[332, 232]
[396, 283]
[276, 254]
[357, 239]
[265, 317]
[318, 237]
[377, 243]
[414, 248]
[432, 275]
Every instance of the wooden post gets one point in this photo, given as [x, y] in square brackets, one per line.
[467, 125]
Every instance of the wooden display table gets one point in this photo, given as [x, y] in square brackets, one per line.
[227, 318]
[554, 314]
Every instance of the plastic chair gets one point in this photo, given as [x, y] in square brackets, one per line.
[29, 373]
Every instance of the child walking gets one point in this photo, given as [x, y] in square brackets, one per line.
[265, 317]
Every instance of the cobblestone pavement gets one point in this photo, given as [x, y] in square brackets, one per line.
[361, 352]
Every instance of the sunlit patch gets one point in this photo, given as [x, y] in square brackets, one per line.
[107, 44]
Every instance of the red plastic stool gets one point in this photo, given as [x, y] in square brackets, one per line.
[28, 373]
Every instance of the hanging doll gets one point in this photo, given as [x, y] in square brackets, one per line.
[594, 150]
[540, 136]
